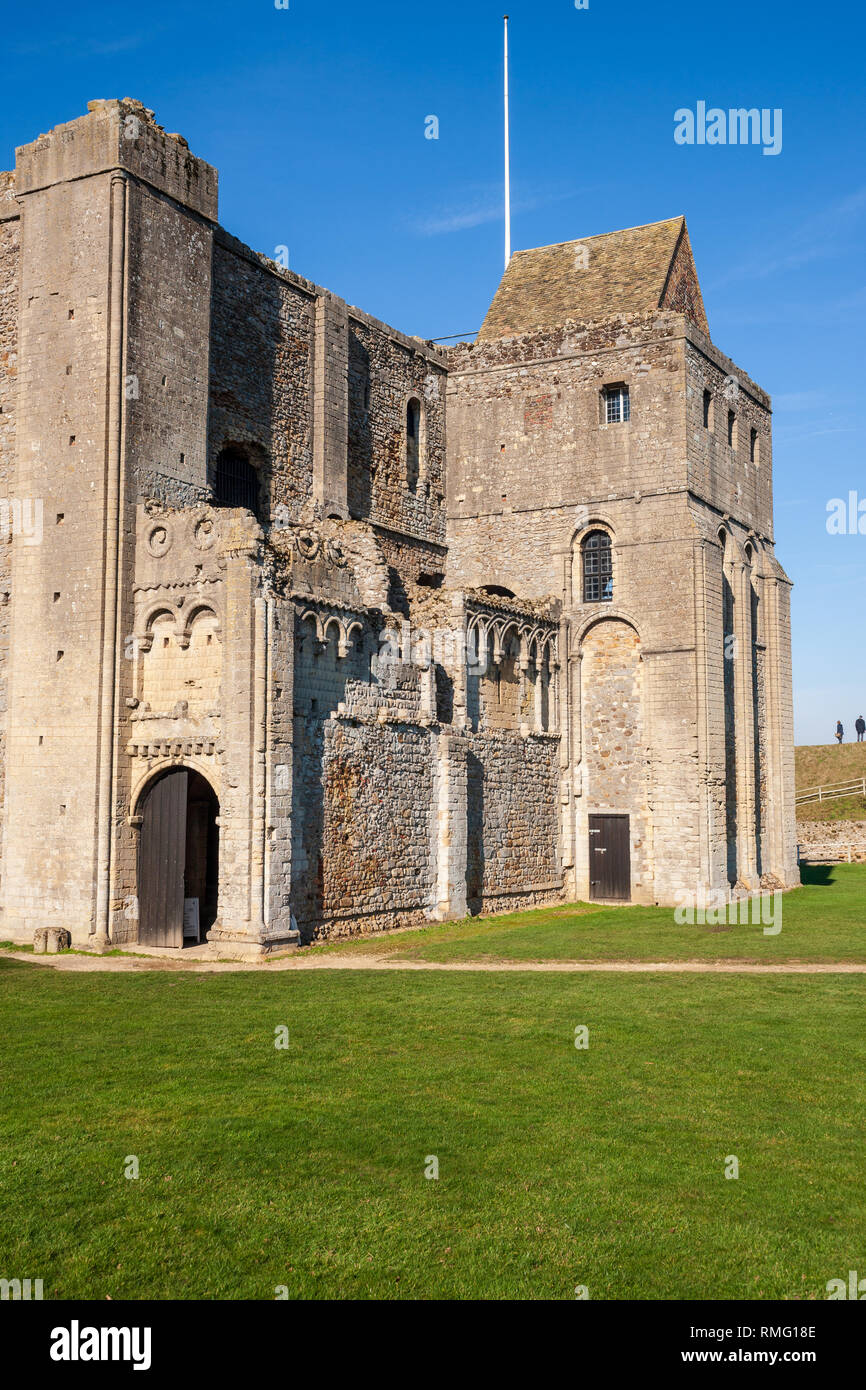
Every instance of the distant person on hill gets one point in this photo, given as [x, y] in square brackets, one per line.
[840, 732]
[860, 726]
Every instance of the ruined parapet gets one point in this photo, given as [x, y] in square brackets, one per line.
[122, 135]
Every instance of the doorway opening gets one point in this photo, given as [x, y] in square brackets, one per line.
[609, 858]
[178, 859]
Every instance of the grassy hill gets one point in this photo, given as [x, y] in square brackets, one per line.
[823, 764]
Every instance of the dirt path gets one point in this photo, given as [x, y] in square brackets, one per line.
[302, 963]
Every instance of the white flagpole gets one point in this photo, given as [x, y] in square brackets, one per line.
[507, 160]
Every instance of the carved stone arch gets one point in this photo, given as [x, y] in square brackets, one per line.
[332, 620]
[758, 560]
[610, 613]
[551, 645]
[477, 640]
[196, 610]
[146, 620]
[598, 521]
[311, 616]
[208, 770]
[733, 548]
[176, 807]
[188, 673]
[352, 628]
[539, 646]
[531, 638]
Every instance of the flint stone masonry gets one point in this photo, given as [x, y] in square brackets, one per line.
[844, 840]
[368, 648]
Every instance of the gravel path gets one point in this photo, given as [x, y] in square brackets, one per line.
[369, 962]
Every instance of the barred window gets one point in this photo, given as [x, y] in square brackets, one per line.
[616, 405]
[236, 483]
[597, 568]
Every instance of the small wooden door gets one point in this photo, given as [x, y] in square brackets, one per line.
[609, 858]
[161, 860]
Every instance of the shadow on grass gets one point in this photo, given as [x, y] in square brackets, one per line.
[817, 875]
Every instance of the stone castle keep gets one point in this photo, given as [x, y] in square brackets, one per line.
[309, 627]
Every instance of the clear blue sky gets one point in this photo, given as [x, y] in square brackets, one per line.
[314, 117]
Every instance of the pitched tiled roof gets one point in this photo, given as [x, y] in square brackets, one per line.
[629, 272]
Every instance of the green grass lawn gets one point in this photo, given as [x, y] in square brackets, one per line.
[305, 1167]
[825, 920]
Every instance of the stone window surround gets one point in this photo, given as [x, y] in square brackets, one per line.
[421, 481]
[594, 523]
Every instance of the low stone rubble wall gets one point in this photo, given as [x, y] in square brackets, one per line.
[839, 841]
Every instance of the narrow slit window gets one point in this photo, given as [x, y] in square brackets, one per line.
[413, 443]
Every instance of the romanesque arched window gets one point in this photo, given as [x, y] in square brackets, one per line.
[236, 483]
[597, 568]
[708, 410]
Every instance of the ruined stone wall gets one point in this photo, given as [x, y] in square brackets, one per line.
[364, 857]
[385, 372]
[307, 387]
[512, 821]
[261, 372]
[839, 840]
[322, 673]
[504, 699]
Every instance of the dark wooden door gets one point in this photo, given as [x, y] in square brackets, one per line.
[161, 859]
[609, 858]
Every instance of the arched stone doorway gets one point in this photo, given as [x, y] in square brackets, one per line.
[178, 859]
[613, 812]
